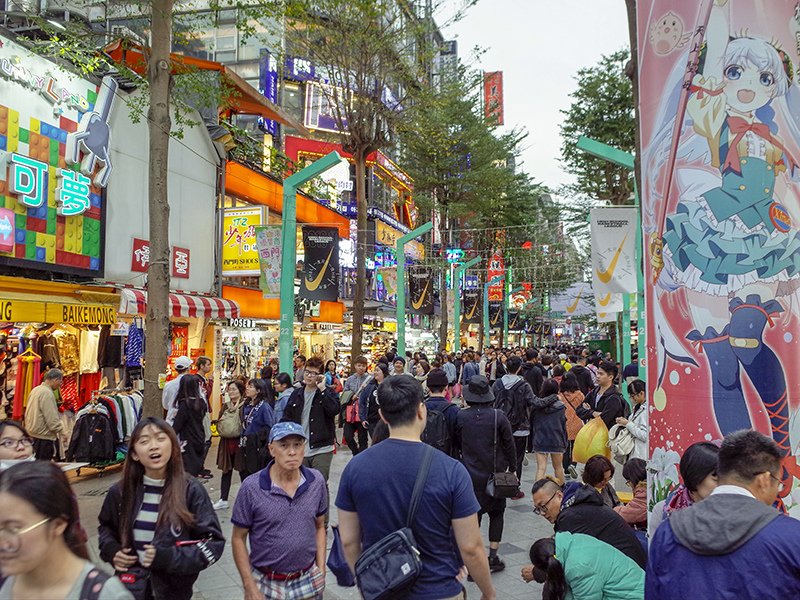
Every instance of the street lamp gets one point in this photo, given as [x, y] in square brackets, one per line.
[289, 251]
[457, 300]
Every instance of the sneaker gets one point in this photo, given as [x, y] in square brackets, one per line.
[518, 496]
[495, 564]
[221, 504]
[525, 460]
[573, 472]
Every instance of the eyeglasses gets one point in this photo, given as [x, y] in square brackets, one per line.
[781, 485]
[541, 510]
[12, 444]
[307, 372]
[10, 541]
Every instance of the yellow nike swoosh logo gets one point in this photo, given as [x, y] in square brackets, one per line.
[605, 276]
[416, 305]
[604, 301]
[497, 316]
[602, 315]
[313, 285]
[571, 308]
[472, 312]
[513, 323]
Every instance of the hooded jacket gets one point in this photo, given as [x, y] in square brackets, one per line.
[610, 404]
[549, 421]
[727, 546]
[583, 511]
[584, 375]
[508, 381]
[533, 375]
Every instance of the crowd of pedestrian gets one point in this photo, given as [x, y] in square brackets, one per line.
[451, 434]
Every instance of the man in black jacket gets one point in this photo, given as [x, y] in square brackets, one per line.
[604, 401]
[530, 372]
[578, 508]
[315, 409]
[584, 375]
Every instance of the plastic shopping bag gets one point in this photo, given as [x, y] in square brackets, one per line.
[337, 562]
[591, 439]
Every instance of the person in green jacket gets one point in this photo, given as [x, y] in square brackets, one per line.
[575, 566]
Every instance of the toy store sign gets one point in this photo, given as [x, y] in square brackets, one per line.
[39, 79]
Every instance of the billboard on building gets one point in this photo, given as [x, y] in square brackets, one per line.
[321, 267]
[493, 96]
[720, 152]
[239, 248]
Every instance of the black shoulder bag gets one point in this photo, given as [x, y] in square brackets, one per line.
[390, 567]
[501, 484]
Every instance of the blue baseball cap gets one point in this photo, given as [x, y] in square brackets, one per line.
[285, 429]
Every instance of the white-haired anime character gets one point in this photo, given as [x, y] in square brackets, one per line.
[730, 242]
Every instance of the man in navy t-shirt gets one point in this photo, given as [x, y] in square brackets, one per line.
[375, 494]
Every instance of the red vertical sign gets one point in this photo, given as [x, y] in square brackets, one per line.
[496, 268]
[493, 95]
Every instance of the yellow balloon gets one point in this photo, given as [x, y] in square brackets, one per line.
[660, 399]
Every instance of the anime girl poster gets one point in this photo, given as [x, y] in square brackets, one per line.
[720, 131]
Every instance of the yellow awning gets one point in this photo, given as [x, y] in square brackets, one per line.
[19, 307]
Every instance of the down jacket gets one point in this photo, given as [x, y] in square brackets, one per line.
[175, 568]
[549, 422]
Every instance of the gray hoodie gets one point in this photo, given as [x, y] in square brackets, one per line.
[721, 523]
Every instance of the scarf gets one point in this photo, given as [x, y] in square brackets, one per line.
[677, 500]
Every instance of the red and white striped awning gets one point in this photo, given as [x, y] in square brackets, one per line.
[134, 302]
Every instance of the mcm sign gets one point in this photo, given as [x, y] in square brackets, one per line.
[93, 137]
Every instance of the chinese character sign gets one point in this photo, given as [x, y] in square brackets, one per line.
[720, 133]
[493, 96]
[180, 262]
[496, 268]
[140, 256]
[268, 243]
[239, 251]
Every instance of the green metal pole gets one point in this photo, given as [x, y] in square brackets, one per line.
[505, 314]
[457, 300]
[289, 252]
[486, 286]
[626, 340]
[401, 285]
[640, 321]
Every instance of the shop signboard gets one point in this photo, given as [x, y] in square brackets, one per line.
[268, 84]
[493, 96]
[140, 259]
[21, 311]
[268, 243]
[420, 291]
[387, 235]
[55, 164]
[239, 250]
[471, 306]
[321, 266]
[720, 209]
[242, 323]
[496, 269]
[180, 262]
[321, 112]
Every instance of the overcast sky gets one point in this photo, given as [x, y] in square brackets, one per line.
[539, 45]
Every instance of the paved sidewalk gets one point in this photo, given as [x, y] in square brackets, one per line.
[221, 581]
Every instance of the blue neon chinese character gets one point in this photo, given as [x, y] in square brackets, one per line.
[28, 179]
[72, 193]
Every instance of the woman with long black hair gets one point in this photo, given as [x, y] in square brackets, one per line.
[157, 526]
[257, 419]
[42, 544]
[192, 408]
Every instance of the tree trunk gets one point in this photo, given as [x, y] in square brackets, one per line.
[359, 293]
[443, 292]
[159, 122]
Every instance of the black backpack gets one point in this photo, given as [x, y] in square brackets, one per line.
[437, 431]
[513, 403]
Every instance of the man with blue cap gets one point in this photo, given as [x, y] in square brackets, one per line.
[282, 510]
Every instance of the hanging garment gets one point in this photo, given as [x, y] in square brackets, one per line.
[68, 352]
[92, 439]
[134, 346]
[88, 354]
[110, 349]
[49, 347]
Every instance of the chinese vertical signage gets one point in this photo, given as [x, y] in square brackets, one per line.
[54, 162]
[496, 269]
[239, 251]
[268, 84]
[720, 220]
[493, 96]
[140, 259]
[268, 244]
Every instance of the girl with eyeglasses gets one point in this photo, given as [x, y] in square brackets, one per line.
[42, 545]
[15, 445]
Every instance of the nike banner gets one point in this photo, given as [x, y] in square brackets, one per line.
[530, 327]
[495, 315]
[268, 243]
[515, 323]
[420, 291]
[471, 307]
[547, 327]
[321, 267]
[607, 317]
[575, 301]
[608, 303]
[613, 244]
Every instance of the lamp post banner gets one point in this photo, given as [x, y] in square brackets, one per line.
[471, 310]
[515, 322]
[268, 243]
[495, 315]
[420, 291]
[613, 248]
[321, 267]
[720, 136]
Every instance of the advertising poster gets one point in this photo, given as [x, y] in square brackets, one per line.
[239, 252]
[515, 322]
[471, 306]
[613, 240]
[268, 244]
[720, 131]
[495, 315]
[575, 301]
[321, 266]
[420, 291]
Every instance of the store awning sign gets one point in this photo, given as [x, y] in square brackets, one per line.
[321, 267]
[24, 311]
[7, 221]
[239, 250]
[268, 242]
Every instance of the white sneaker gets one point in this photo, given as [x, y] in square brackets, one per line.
[221, 504]
[525, 460]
